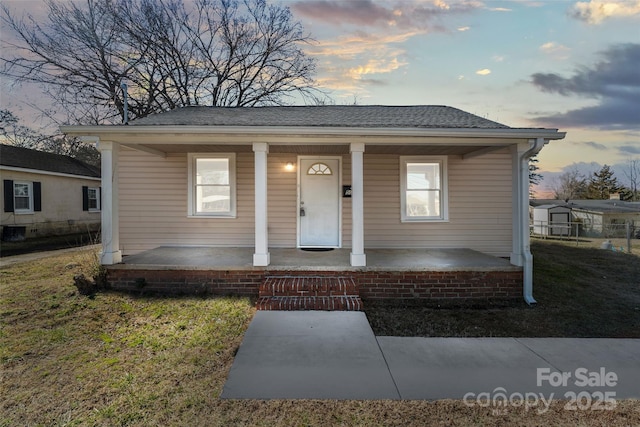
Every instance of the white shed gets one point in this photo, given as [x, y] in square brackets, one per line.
[552, 220]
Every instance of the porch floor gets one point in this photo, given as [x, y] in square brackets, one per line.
[292, 259]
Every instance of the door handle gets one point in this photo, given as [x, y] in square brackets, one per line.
[302, 212]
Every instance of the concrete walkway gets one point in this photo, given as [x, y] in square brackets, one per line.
[335, 355]
[17, 259]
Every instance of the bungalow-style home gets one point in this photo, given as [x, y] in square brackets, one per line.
[47, 194]
[596, 218]
[410, 202]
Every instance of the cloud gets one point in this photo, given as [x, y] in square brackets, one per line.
[364, 12]
[498, 58]
[375, 32]
[556, 50]
[375, 66]
[629, 149]
[593, 144]
[351, 62]
[483, 72]
[352, 45]
[405, 14]
[614, 83]
[596, 11]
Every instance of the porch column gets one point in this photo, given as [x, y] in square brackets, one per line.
[111, 253]
[261, 256]
[521, 246]
[358, 257]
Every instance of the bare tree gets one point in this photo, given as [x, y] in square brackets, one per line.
[14, 133]
[209, 52]
[570, 185]
[632, 172]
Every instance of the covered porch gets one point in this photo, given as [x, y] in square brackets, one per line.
[432, 274]
[292, 259]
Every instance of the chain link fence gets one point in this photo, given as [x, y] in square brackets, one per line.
[622, 237]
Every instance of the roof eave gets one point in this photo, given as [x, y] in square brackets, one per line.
[104, 132]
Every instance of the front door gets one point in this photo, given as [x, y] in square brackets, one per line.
[319, 207]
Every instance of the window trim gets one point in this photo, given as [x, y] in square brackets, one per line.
[191, 199]
[444, 188]
[30, 209]
[98, 197]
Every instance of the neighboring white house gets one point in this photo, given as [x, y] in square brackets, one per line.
[353, 177]
[596, 218]
[46, 194]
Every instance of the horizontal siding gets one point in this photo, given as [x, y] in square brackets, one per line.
[282, 201]
[153, 207]
[479, 206]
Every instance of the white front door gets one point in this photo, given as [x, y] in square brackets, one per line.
[319, 202]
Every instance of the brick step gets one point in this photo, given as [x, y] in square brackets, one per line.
[326, 303]
[307, 286]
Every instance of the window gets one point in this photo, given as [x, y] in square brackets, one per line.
[424, 188]
[91, 199]
[22, 197]
[212, 185]
[319, 169]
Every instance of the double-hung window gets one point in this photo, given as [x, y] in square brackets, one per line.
[424, 188]
[212, 189]
[22, 197]
[91, 199]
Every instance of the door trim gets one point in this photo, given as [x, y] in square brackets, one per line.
[298, 188]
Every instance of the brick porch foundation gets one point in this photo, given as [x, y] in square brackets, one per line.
[421, 285]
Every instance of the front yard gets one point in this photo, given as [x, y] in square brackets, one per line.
[120, 359]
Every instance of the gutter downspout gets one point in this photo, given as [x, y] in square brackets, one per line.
[535, 145]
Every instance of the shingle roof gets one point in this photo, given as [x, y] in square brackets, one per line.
[32, 159]
[365, 116]
[603, 206]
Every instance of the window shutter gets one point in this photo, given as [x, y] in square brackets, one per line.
[37, 197]
[85, 198]
[8, 195]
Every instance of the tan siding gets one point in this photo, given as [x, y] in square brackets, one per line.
[153, 205]
[153, 209]
[282, 200]
[346, 202]
[479, 206]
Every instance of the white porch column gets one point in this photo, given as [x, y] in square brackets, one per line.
[358, 257]
[261, 256]
[111, 253]
[521, 246]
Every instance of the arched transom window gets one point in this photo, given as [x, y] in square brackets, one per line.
[319, 169]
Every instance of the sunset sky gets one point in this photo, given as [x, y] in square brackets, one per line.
[572, 65]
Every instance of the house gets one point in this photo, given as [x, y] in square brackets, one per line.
[598, 218]
[374, 183]
[47, 194]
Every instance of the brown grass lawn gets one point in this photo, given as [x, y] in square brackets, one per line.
[123, 360]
